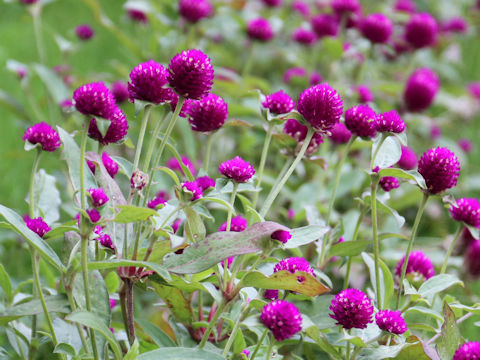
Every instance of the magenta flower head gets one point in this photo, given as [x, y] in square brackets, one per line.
[195, 10]
[175, 165]
[391, 321]
[84, 32]
[325, 25]
[238, 224]
[147, 83]
[435, 131]
[455, 25]
[260, 29]
[474, 89]
[29, 2]
[91, 166]
[137, 15]
[106, 241]
[172, 98]
[138, 180]
[116, 131]
[419, 265]
[421, 88]
[42, 134]
[299, 131]
[408, 159]
[94, 99]
[352, 309]
[273, 3]
[345, 6]
[110, 165]
[315, 78]
[304, 36]
[205, 183]
[93, 214]
[388, 183]
[421, 31]
[237, 169]
[390, 121]
[119, 91]
[301, 7]
[113, 303]
[407, 6]
[281, 235]
[160, 198]
[377, 28]
[294, 264]
[37, 225]
[190, 74]
[279, 103]
[321, 106]
[340, 134]
[208, 114]
[282, 318]
[471, 259]
[192, 187]
[364, 94]
[361, 121]
[99, 198]
[468, 351]
[296, 72]
[270, 294]
[467, 210]
[440, 169]
[466, 145]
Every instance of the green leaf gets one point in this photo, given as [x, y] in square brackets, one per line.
[170, 173]
[314, 333]
[349, 248]
[8, 101]
[46, 197]
[54, 84]
[220, 201]
[385, 208]
[437, 284]
[116, 263]
[186, 169]
[220, 246]
[194, 227]
[405, 174]
[176, 302]
[386, 279]
[417, 350]
[450, 336]
[305, 235]
[130, 213]
[300, 282]
[55, 303]
[389, 153]
[33, 239]
[91, 320]
[67, 336]
[156, 334]
[178, 353]
[381, 352]
[133, 352]
[64, 348]
[6, 284]
[425, 311]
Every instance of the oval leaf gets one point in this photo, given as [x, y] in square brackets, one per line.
[305, 235]
[176, 353]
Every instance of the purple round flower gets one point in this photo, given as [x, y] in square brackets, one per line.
[119, 91]
[293, 73]
[315, 78]
[160, 198]
[147, 83]
[195, 10]
[29, 2]
[352, 309]
[468, 351]
[99, 198]
[391, 321]
[340, 134]
[176, 225]
[110, 165]
[471, 259]
[388, 183]
[301, 7]
[364, 94]
[260, 29]
[205, 183]
[272, 3]
[84, 32]
[377, 28]
[304, 36]
[418, 265]
[282, 236]
[421, 88]
[116, 131]
[42, 134]
[279, 103]
[138, 180]
[175, 165]
[270, 294]
[94, 215]
[440, 169]
[321, 106]
[299, 131]
[106, 241]
[325, 25]
[91, 166]
[466, 145]
[361, 121]
[37, 225]
[238, 224]
[193, 187]
[94, 99]
[208, 114]
[421, 30]
[137, 15]
[282, 318]
[474, 89]
[408, 159]
[294, 264]
[466, 210]
[435, 131]
[237, 169]
[345, 6]
[455, 25]
[407, 6]
[113, 303]
[190, 74]
[390, 121]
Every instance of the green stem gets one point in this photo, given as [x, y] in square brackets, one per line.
[153, 141]
[450, 249]
[233, 334]
[259, 344]
[229, 224]
[68, 290]
[249, 62]
[208, 149]
[37, 28]
[263, 159]
[354, 238]
[278, 187]
[270, 347]
[32, 183]
[143, 128]
[348, 351]
[376, 244]
[410, 244]
[211, 324]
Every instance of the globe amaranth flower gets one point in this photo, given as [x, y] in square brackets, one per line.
[281, 235]
[364, 94]
[294, 264]
[117, 129]
[391, 321]
[119, 90]
[466, 210]
[465, 240]
[190, 74]
[208, 114]
[474, 89]
[138, 180]
[468, 351]
[194, 189]
[260, 29]
[315, 78]
[455, 25]
[113, 303]
[301, 7]
[377, 28]
[435, 131]
[237, 169]
[93, 215]
[471, 259]
[270, 294]
[94, 99]
[147, 83]
[304, 36]
[440, 169]
[466, 145]
[282, 318]
[137, 15]
[273, 3]
[361, 121]
[352, 308]
[98, 196]
[279, 103]
[172, 98]
[84, 32]
[321, 106]
[421, 30]
[29, 2]
[296, 72]
[195, 10]
[160, 198]
[299, 131]
[418, 265]
[37, 225]
[340, 134]
[408, 159]
[388, 183]
[407, 6]
[345, 6]
[325, 25]
[421, 88]
[42, 134]
[237, 224]
[110, 164]
[390, 121]
[205, 183]
[104, 239]
[175, 165]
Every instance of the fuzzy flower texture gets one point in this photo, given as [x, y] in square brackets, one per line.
[43, 134]
[278, 103]
[147, 83]
[237, 169]
[418, 265]
[37, 225]
[361, 121]
[208, 114]
[466, 210]
[440, 169]
[260, 29]
[352, 309]
[282, 318]
[294, 264]
[237, 224]
[468, 351]
[391, 321]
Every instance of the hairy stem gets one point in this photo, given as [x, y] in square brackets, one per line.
[354, 237]
[153, 141]
[450, 249]
[263, 159]
[141, 136]
[376, 243]
[259, 344]
[130, 314]
[208, 150]
[211, 324]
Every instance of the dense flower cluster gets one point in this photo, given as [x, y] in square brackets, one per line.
[282, 318]
[294, 264]
[237, 169]
[147, 83]
[352, 308]
[468, 351]
[260, 29]
[278, 103]
[208, 114]
[42, 134]
[390, 121]
[361, 121]
[421, 88]
[466, 210]
[37, 225]
[237, 224]
[391, 321]
[418, 265]
[440, 168]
